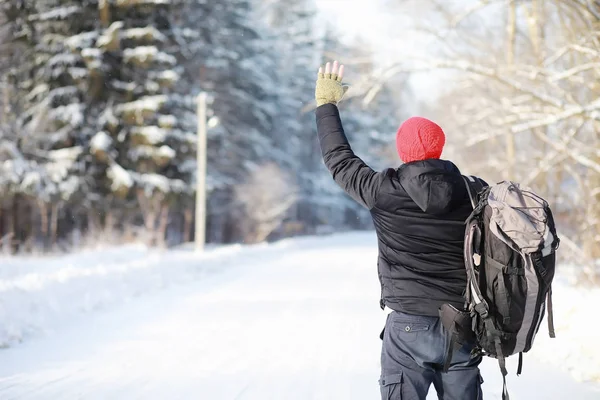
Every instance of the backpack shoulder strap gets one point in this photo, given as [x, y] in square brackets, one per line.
[474, 185]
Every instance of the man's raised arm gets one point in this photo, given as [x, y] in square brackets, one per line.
[348, 170]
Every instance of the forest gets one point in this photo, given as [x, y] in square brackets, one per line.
[98, 122]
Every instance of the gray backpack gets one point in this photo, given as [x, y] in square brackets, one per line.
[510, 254]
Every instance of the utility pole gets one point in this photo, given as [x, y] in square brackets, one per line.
[200, 234]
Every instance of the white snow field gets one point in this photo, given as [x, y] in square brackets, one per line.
[296, 320]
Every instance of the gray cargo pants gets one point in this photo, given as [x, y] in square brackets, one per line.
[412, 358]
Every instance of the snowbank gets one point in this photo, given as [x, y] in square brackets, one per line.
[575, 347]
[39, 294]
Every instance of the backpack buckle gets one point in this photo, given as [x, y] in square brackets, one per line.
[482, 310]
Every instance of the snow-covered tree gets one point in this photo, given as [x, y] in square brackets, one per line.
[49, 104]
[141, 147]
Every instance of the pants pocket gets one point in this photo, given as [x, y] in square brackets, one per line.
[391, 387]
[408, 331]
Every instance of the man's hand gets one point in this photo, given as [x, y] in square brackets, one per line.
[329, 88]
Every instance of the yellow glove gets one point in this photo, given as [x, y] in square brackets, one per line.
[329, 88]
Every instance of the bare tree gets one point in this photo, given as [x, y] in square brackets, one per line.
[524, 99]
[266, 198]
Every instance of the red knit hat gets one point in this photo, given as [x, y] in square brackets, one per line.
[419, 139]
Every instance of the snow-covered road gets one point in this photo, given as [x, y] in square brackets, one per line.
[294, 321]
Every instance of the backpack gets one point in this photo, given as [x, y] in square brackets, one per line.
[510, 253]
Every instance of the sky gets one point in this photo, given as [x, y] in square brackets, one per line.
[368, 19]
[383, 28]
[356, 17]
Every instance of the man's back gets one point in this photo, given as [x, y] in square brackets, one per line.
[419, 217]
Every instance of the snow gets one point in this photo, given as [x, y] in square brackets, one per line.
[101, 142]
[148, 103]
[37, 91]
[146, 33]
[9, 149]
[160, 155]
[90, 52]
[32, 180]
[109, 34]
[166, 152]
[123, 86]
[168, 76]
[71, 114]
[167, 121]
[69, 187]
[62, 161]
[108, 118]
[82, 40]
[120, 177]
[59, 13]
[297, 319]
[78, 73]
[92, 57]
[43, 180]
[147, 54]
[575, 347]
[152, 182]
[151, 134]
[68, 154]
[151, 87]
[131, 3]
[65, 92]
[62, 60]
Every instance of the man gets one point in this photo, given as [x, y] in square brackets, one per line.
[419, 211]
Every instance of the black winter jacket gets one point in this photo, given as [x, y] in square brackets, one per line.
[419, 211]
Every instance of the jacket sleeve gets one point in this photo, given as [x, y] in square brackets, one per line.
[348, 170]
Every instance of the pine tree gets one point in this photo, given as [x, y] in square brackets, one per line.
[15, 63]
[140, 145]
[51, 106]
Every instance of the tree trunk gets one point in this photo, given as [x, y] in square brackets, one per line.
[104, 11]
[162, 225]
[188, 216]
[15, 224]
[511, 28]
[44, 223]
[536, 37]
[128, 232]
[54, 224]
[109, 223]
[592, 233]
[93, 223]
[6, 229]
[535, 29]
[149, 214]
